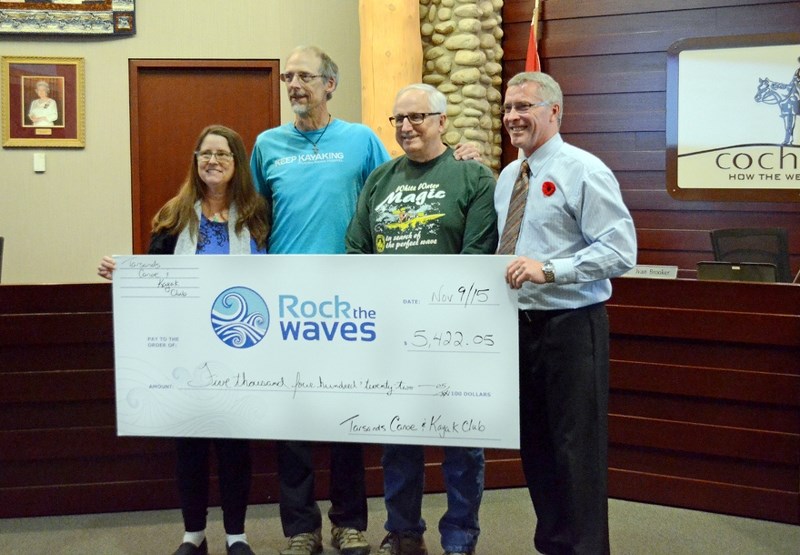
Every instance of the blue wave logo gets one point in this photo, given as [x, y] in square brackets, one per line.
[240, 317]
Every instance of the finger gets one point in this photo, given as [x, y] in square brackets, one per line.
[509, 272]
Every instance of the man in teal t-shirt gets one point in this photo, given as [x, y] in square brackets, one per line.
[312, 171]
[426, 203]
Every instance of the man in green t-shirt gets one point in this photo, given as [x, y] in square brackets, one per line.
[426, 202]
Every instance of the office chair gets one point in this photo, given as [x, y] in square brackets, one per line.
[769, 244]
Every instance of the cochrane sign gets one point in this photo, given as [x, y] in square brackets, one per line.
[767, 166]
[732, 112]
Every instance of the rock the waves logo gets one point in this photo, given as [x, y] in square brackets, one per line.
[240, 317]
[332, 319]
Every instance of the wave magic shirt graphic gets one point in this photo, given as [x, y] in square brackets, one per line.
[240, 317]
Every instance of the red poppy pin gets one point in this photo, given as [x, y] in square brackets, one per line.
[548, 188]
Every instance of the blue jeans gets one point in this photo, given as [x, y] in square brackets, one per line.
[404, 481]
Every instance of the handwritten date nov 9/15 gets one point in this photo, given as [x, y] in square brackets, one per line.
[453, 339]
[466, 295]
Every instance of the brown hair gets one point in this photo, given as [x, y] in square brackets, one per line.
[253, 210]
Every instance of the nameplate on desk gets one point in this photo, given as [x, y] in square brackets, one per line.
[356, 348]
[652, 272]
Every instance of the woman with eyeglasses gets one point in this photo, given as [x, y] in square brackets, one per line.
[216, 211]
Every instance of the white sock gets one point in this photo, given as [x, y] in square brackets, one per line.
[194, 537]
[233, 538]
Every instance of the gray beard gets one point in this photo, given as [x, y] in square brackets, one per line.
[300, 110]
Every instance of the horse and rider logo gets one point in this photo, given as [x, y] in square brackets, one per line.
[784, 95]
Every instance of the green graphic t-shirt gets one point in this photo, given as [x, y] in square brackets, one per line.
[443, 206]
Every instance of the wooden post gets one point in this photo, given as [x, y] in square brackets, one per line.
[391, 58]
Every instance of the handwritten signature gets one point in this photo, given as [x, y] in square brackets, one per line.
[436, 424]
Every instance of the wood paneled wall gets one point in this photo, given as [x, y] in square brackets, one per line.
[610, 57]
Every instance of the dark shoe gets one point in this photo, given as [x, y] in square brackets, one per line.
[188, 548]
[239, 548]
[405, 543]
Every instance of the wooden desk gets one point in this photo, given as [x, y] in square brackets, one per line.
[704, 413]
[705, 396]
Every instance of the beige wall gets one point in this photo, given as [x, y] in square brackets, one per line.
[58, 224]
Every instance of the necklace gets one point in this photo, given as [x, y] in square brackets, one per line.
[314, 143]
[219, 216]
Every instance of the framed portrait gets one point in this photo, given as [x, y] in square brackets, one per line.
[68, 17]
[43, 102]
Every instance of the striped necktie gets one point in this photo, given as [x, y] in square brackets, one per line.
[516, 208]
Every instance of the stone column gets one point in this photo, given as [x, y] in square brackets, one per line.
[462, 58]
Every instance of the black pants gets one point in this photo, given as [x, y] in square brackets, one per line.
[299, 510]
[564, 361]
[233, 465]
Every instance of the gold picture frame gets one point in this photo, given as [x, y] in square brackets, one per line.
[43, 102]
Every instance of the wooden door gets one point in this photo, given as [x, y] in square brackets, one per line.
[171, 102]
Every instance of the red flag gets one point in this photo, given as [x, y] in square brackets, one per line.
[532, 59]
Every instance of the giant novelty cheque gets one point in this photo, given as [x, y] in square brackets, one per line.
[360, 348]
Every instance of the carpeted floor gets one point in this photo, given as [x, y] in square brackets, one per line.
[507, 521]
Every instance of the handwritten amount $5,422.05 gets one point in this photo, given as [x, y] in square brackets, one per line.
[450, 339]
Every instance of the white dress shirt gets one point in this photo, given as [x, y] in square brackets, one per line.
[582, 226]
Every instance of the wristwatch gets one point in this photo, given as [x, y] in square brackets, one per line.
[549, 272]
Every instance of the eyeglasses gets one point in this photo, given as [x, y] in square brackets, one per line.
[222, 156]
[303, 76]
[414, 119]
[523, 107]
